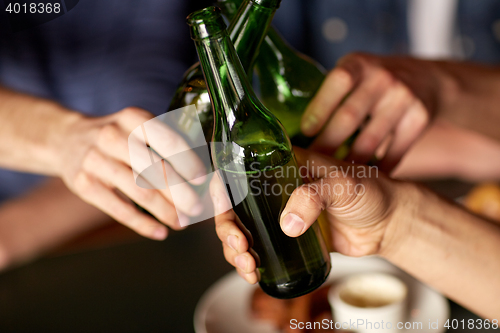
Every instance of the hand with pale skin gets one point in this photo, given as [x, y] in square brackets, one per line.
[96, 163]
[432, 239]
[91, 156]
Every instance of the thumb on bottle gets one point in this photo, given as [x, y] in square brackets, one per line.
[303, 208]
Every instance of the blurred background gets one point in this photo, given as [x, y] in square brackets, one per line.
[102, 56]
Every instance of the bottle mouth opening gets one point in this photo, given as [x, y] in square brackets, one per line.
[264, 3]
[206, 23]
[268, 3]
[202, 16]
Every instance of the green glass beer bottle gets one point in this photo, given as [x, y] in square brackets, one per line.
[288, 81]
[247, 32]
[255, 157]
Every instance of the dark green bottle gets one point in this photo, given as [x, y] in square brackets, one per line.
[288, 81]
[247, 31]
[255, 157]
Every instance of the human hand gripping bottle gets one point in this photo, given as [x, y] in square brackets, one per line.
[254, 155]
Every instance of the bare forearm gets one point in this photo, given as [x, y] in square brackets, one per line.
[90, 154]
[30, 132]
[448, 248]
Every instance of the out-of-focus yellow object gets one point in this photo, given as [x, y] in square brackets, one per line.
[485, 200]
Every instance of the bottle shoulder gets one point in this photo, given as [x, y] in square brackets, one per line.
[276, 52]
[191, 90]
[251, 132]
[253, 157]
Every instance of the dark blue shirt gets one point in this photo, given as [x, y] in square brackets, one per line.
[98, 58]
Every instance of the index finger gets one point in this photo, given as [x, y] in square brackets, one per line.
[338, 83]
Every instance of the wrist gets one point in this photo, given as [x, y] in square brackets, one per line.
[407, 198]
[60, 128]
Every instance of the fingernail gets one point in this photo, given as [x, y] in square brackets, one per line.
[160, 233]
[292, 225]
[241, 262]
[183, 220]
[232, 241]
[309, 123]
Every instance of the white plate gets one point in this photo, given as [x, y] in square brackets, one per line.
[225, 307]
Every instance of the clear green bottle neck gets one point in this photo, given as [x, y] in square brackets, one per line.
[229, 7]
[273, 42]
[232, 6]
[240, 118]
[242, 124]
[224, 75]
[248, 29]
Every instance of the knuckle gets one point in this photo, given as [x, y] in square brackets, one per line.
[129, 111]
[109, 134]
[166, 216]
[401, 94]
[385, 78]
[406, 96]
[349, 113]
[244, 245]
[342, 76]
[222, 230]
[172, 140]
[144, 195]
[403, 90]
[122, 213]
[420, 116]
[135, 113]
[251, 262]
[115, 171]
[370, 141]
[219, 230]
[229, 254]
[83, 183]
[92, 159]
